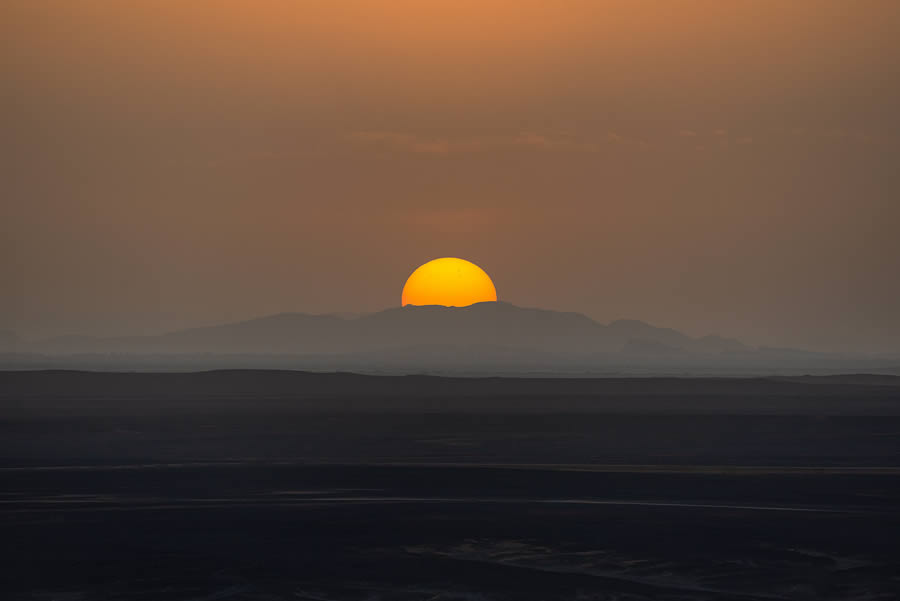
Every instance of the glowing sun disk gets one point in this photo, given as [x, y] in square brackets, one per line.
[450, 282]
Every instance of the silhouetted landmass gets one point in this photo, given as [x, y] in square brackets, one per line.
[496, 324]
[292, 390]
[482, 339]
[278, 485]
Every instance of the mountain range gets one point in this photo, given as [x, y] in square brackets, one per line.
[492, 338]
[490, 324]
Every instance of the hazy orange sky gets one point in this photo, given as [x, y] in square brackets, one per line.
[728, 167]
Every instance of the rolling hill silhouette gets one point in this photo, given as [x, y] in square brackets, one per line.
[496, 325]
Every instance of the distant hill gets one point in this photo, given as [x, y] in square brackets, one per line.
[500, 326]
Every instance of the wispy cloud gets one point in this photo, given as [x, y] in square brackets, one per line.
[561, 142]
[402, 141]
[848, 134]
[414, 143]
[629, 141]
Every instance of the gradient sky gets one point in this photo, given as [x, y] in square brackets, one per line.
[728, 167]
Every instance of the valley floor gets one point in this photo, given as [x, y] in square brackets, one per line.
[178, 493]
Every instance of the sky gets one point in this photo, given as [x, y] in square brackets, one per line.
[715, 167]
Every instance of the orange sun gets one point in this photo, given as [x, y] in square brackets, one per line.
[449, 282]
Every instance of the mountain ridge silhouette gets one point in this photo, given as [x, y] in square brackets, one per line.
[490, 324]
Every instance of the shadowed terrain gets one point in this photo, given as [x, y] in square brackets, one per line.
[286, 485]
[488, 338]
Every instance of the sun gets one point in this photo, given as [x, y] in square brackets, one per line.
[450, 282]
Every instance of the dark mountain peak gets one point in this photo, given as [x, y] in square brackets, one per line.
[628, 323]
[489, 309]
[482, 325]
[346, 315]
[634, 329]
[482, 308]
[637, 326]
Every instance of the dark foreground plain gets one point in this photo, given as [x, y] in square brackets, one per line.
[284, 485]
